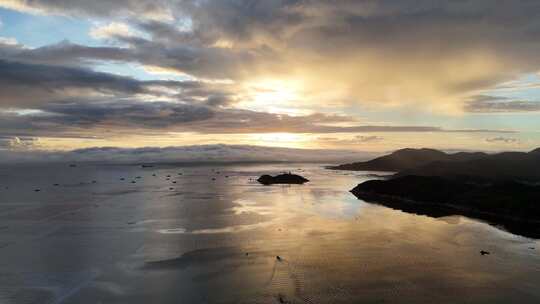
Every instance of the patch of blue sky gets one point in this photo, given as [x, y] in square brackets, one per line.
[516, 121]
[526, 87]
[510, 121]
[122, 69]
[40, 30]
[407, 116]
[136, 71]
[529, 94]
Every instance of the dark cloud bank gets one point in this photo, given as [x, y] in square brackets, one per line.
[77, 100]
[183, 154]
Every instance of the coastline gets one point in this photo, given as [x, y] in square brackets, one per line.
[527, 227]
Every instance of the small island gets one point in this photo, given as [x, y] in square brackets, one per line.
[286, 178]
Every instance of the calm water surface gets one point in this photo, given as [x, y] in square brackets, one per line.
[215, 241]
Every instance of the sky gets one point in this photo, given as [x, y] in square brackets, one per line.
[365, 75]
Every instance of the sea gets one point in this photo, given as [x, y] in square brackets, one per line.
[210, 233]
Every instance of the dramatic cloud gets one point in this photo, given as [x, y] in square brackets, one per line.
[125, 114]
[46, 97]
[146, 8]
[24, 85]
[276, 66]
[378, 52]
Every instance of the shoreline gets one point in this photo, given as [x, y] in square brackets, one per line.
[526, 227]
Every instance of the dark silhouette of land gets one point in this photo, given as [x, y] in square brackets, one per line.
[513, 205]
[286, 178]
[502, 166]
[408, 158]
[502, 188]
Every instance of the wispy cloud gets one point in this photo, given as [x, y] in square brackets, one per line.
[500, 139]
[495, 104]
[15, 143]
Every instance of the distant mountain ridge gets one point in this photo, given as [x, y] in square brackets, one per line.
[502, 166]
[537, 150]
[407, 159]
